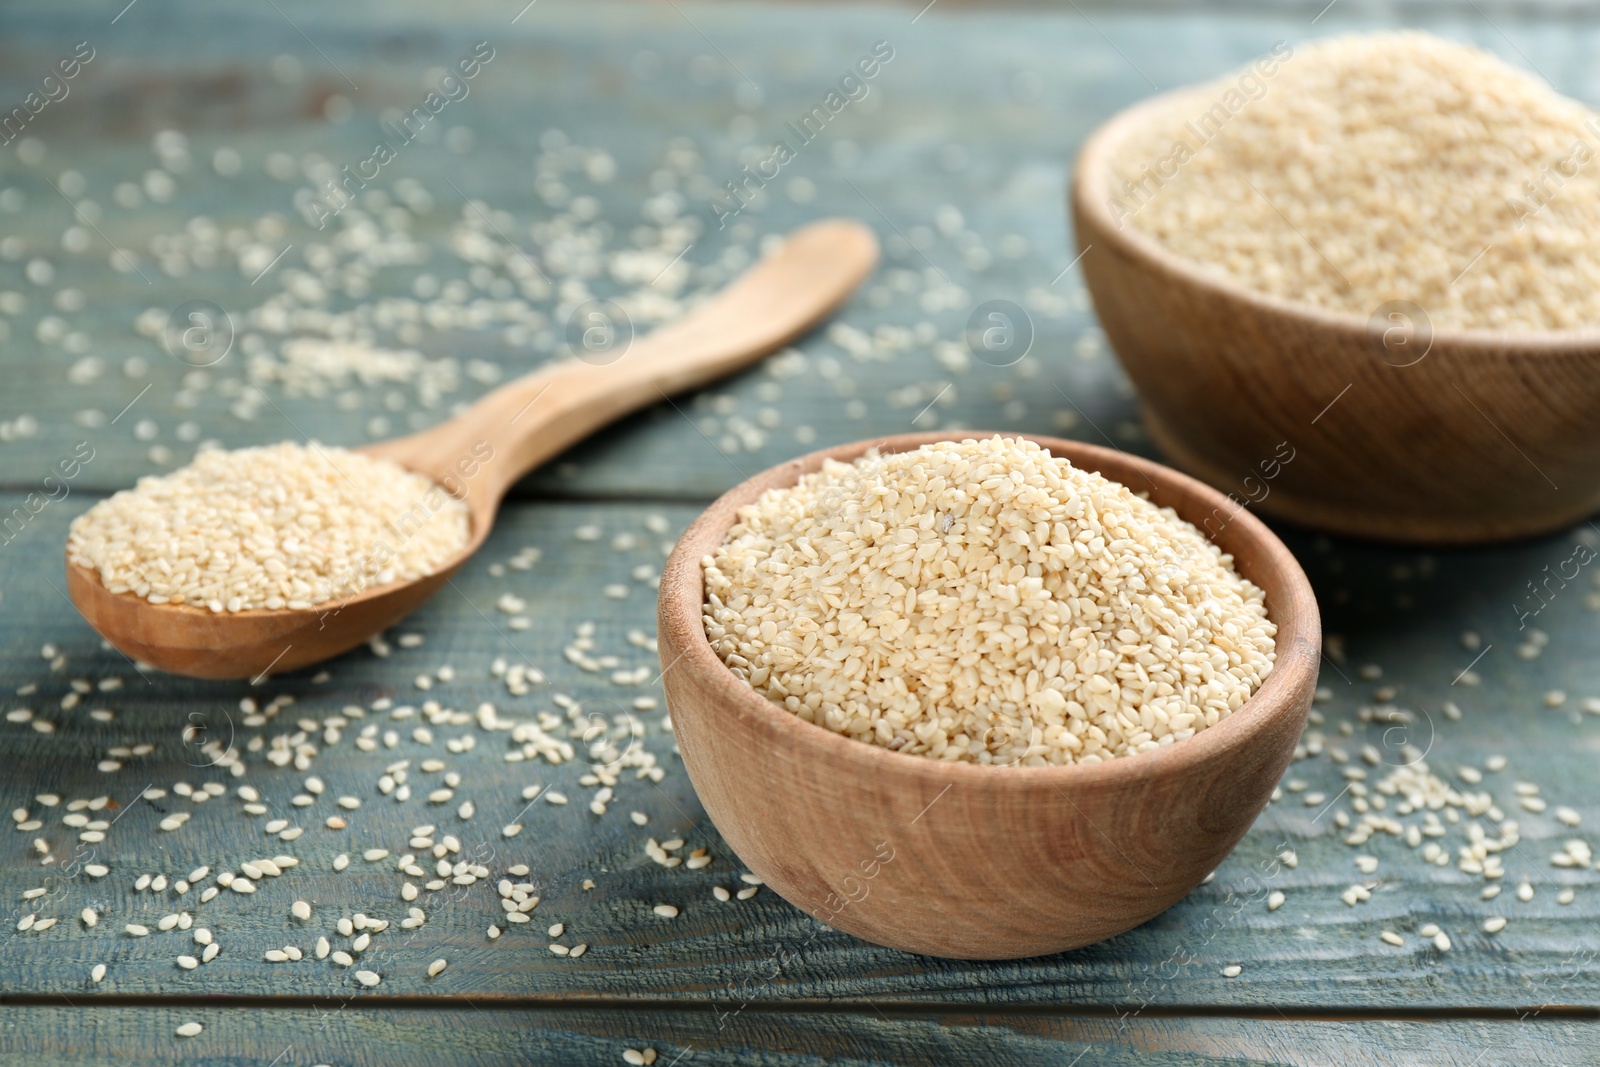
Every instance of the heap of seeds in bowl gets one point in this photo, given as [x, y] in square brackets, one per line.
[286, 526]
[984, 601]
[1371, 168]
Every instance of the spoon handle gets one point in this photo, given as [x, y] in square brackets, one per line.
[523, 423]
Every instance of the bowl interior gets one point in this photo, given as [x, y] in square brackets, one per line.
[1091, 194]
[1258, 555]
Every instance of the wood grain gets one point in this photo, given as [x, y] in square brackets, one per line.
[356, 1035]
[1399, 610]
[957, 84]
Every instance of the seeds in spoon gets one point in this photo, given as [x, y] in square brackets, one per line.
[285, 526]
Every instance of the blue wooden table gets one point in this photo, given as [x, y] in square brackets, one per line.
[184, 166]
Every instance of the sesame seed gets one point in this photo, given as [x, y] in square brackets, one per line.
[666, 911]
[136, 930]
[1013, 500]
[368, 978]
[189, 1030]
[436, 967]
[1494, 924]
[301, 910]
[98, 973]
[1315, 149]
[139, 540]
[1232, 970]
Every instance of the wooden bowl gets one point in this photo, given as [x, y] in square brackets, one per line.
[1398, 430]
[964, 860]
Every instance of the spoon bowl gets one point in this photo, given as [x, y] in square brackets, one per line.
[961, 859]
[1398, 429]
[482, 452]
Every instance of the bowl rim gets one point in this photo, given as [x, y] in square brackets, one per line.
[1091, 175]
[1295, 667]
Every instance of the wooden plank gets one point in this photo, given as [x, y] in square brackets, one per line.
[994, 143]
[1314, 952]
[356, 1034]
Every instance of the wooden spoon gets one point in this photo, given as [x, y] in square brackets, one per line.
[489, 446]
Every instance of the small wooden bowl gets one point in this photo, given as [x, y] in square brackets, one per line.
[1399, 430]
[963, 860]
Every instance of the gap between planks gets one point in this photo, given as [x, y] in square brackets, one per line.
[886, 1008]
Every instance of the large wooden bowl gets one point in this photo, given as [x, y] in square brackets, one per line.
[1399, 430]
[965, 860]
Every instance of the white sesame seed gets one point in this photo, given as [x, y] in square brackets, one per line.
[1232, 970]
[98, 973]
[666, 911]
[1494, 924]
[188, 963]
[189, 1030]
[1392, 938]
[368, 978]
[990, 483]
[352, 510]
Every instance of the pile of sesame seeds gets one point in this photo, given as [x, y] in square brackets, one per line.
[984, 601]
[286, 526]
[1380, 167]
